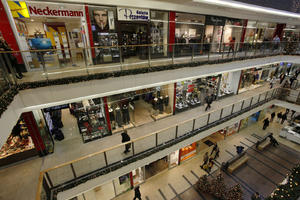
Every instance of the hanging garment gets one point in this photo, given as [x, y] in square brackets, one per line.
[111, 114]
[125, 113]
[118, 117]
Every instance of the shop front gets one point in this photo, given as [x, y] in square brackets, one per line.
[229, 84]
[174, 159]
[27, 139]
[189, 29]
[140, 107]
[214, 27]
[192, 93]
[51, 26]
[232, 31]
[156, 167]
[187, 152]
[86, 119]
[291, 33]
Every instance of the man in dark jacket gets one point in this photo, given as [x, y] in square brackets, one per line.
[137, 193]
[283, 118]
[272, 116]
[266, 123]
[126, 138]
[208, 100]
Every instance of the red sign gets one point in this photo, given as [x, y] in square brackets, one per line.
[54, 12]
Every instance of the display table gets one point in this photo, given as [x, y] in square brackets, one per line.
[291, 132]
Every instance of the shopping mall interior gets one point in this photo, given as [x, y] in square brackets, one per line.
[170, 100]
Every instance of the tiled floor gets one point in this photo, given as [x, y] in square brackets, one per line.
[180, 177]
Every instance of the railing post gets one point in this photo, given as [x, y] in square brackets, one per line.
[132, 144]
[258, 98]
[251, 101]
[223, 51]
[221, 113]
[232, 109]
[208, 118]
[194, 121]
[209, 48]
[105, 158]
[193, 52]
[121, 57]
[85, 60]
[49, 180]
[156, 139]
[149, 56]
[73, 170]
[173, 49]
[242, 104]
[176, 132]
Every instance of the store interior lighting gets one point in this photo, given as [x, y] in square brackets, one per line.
[254, 8]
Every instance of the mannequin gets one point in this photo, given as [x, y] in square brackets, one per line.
[112, 117]
[161, 104]
[118, 116]
[166, 100]
[125, 113]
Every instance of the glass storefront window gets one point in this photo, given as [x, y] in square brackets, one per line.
[188, 152]
[138, 176]
[159, 31]
[62, 32]
[189, 29]
[232, 30]
[174, 159]
[140, 107]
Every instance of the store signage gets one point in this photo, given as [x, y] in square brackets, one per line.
[19, 10]
[216, 21]
[133, 14]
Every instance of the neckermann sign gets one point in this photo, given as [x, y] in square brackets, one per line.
[133, 14]
[54, 10]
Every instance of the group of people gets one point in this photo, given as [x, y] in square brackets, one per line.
[280, 118]
[208, 159]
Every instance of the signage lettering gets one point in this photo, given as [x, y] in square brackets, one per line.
[52, 12]
[130, 14]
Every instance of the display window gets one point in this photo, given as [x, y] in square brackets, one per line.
[232, 31]
[138, 176]
[291, 33]
[254, 77]
[192, 93]
[86, 119]
[214, 33]
[187, 152]
[156, 167]
[18, 146]
[189, 29]
[140, 107]
[52, 26]
[250, 32]
[159, 32]
[174, 159]
[104, 33]
[122, 184]
[229, 84]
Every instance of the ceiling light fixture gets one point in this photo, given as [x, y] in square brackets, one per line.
[233, 4]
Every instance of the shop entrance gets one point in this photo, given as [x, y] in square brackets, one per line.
[156, 167]
[134, 34]
[213, 38]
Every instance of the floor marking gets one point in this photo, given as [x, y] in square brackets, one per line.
[162, 194]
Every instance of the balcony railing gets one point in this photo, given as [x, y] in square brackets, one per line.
[71, 174]
[55, 64]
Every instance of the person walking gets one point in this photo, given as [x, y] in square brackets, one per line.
[266, 123]
[208, 100]
[273, 140]
[276, 41]
[283, 118]
[279, 116]
[255, 196]
[272, 116]
[137, 193]
[205, 159]
[126, 138]
[231, 46]
[239, 149]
